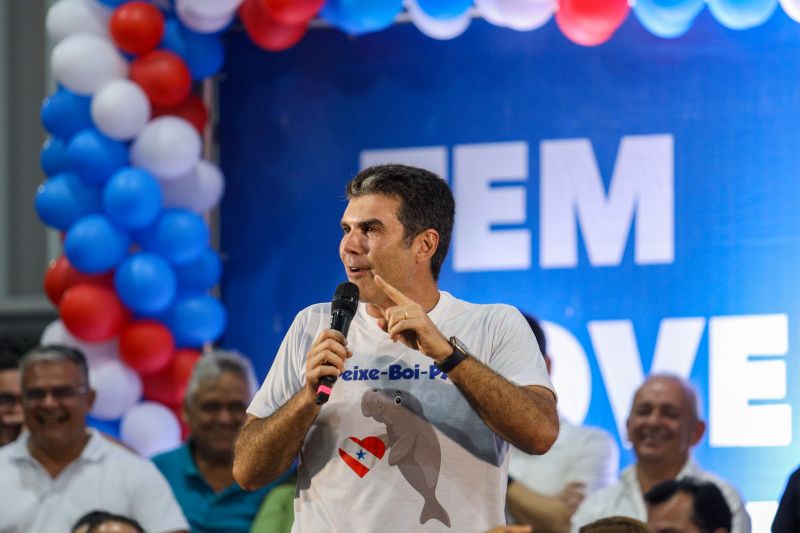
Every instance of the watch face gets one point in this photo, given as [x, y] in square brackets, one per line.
[458, 345]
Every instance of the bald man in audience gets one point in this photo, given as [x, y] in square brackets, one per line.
[663, 425]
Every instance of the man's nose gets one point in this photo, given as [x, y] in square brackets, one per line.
[352, 243]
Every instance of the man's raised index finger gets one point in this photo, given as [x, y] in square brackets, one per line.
[396, 296]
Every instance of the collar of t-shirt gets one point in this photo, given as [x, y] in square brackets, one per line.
[94, 450]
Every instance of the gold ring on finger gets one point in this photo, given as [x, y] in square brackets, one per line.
[405, 313]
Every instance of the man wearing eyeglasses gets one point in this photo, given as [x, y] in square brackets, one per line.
[200, 471]
[60, 470]
[10, 406]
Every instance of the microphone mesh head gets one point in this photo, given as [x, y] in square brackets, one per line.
[345, 298]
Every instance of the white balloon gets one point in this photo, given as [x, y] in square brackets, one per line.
[437, 28]
[489, 11]
[150, 429]
[84, 62]
[198, 22]
[792, 8]
[520, 15]
[167, 147]
[118, 389]
[97, 353]
[68, 17]
[210, 8]
[120, 109]
[198, 190]
[526, 15]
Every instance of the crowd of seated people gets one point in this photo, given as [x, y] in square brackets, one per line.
[60, 475]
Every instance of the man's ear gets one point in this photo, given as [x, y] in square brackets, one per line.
[425, 244]
[91, 396]
[698, 431]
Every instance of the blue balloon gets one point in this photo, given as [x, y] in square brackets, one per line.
[53, 156]
[667, 18]
[195, 319]
[742, 14]
[65, 198]
[108, 427]
[132, 198]
[145, 283]
[65, 113]
[204, 53]
[94, 245]
[201, 274]
[113, 3]
[178, 235]
[444, 9]
[361, 16]
[95, 157]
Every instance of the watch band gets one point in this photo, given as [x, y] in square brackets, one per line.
[459, 354]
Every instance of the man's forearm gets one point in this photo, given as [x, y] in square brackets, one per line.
[266, 447]
[547, 513]
[525, 418]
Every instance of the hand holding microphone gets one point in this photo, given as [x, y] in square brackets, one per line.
[343, 309]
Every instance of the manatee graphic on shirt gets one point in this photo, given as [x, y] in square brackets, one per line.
[413, 445]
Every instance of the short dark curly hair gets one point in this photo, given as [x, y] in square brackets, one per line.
[426, 202]
[710, 511]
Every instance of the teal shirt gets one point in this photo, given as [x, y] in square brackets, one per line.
[231, 510]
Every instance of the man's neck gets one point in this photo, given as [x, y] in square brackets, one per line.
[651, 474]
[55, 461]
[216, 469]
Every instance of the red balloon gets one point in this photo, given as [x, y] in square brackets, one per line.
[266, 32]
[192, 109]
[291, 12]
[93, 313]
[137, 27]
[591, 22]
[146, 346]
[168, 385]
[61, 275]
[163, 76]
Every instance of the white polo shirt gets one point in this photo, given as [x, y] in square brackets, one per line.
[106, 477]
[581, 454]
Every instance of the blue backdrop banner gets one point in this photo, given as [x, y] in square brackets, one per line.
[640, 197]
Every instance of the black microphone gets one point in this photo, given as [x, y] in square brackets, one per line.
[343, 309]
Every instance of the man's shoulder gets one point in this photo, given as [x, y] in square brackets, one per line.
[171, 458]
[588, 434]
[728, 489]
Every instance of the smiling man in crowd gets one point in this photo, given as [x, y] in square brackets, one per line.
[60, 470]
[663, 425]
[200, 471]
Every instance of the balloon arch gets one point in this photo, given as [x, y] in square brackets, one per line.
[127, 186]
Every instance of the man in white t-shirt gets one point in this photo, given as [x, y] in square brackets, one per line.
[544, 490]
[430, 389]
[58, 471]
[663, 425]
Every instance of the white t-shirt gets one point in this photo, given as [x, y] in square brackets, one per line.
[106, 477]
[397, 447]
[582, 454]
[626, 499]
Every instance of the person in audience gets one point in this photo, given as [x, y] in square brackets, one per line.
[59, 469]
[688, 506]
[544, 490]
[103, 522]
[10, 405]
[616, 524]
[663, 425]
[200, 471]
[787, 518]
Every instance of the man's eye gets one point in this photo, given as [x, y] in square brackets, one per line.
[345, 230]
